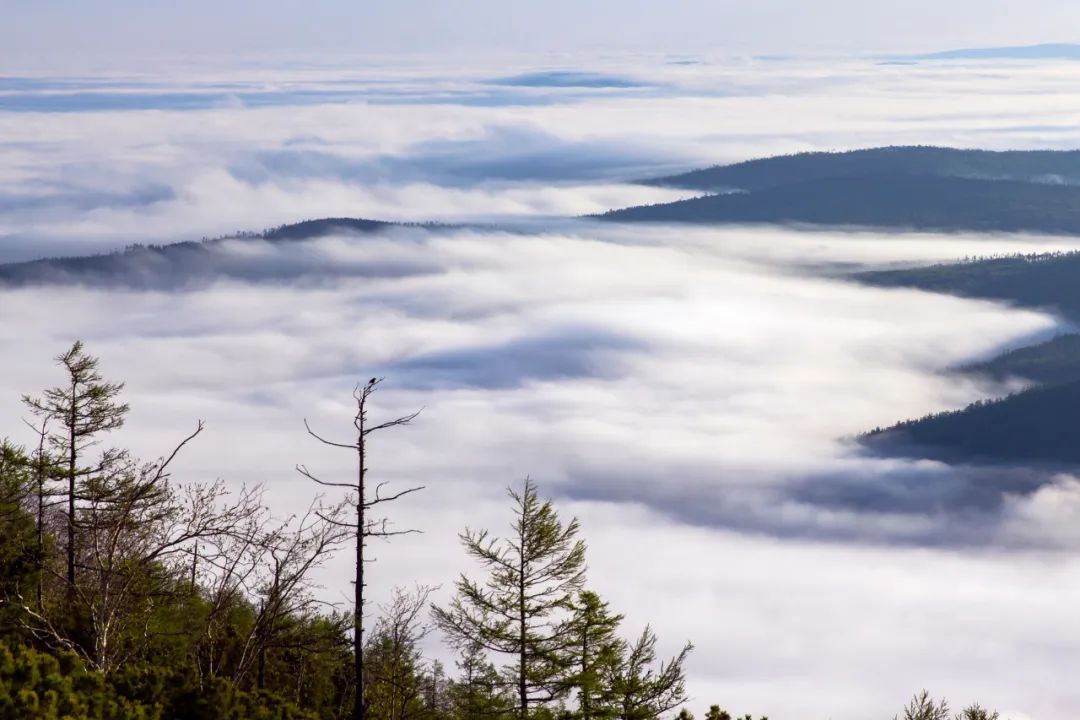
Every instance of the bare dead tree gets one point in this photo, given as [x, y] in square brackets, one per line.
[365, 526]
[398, 677]
[40, 474]
[286, 557]
[138, 532]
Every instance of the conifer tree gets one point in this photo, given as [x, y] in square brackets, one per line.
[520, 608]
[595, 651]
[478, 692]
[643, 692]
[84, 407]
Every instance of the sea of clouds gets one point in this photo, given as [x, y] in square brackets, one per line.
[688, 393]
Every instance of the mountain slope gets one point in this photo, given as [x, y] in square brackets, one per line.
[1041, 425]
[1055, 362]
[1037, 281]
[1048, 166]
[893, 201]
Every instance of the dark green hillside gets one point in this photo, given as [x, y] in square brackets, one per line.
[1050, 363]
[1041, 425]
[1045, 166]
[1039, 281]
[899, 202]
[309, 229]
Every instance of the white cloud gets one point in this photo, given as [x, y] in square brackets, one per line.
[734, 382]
[676, 387]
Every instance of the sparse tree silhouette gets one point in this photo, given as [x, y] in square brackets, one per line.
[924, 707]
[396, 676]
[977, 712]
[362, 502]
[44, 471]
[287, 606]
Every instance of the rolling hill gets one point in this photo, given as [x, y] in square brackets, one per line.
[1037, 426]
[900, 201]
[1055, 362]
[1045, 166]
[1050, 281]
[183, 263]
[1046, 51]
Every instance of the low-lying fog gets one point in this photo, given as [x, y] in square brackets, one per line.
[686, 392]
[685, 398]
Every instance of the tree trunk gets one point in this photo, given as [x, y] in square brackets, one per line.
[586, 699]
[41, 530]
[523, 690]
[262, 668]
[359, 708]
[72, 457]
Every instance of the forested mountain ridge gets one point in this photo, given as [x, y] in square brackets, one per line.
[902, 201]
[1049, 281]
[1037, 426]
[1046, 166]
[1054, 362]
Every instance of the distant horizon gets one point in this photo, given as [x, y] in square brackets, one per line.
[131, 30]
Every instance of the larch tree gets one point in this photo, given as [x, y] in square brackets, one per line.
[84, 408]
[363, 500]
[642, 690]
[520, 609]
[595, 650]
[478, 691]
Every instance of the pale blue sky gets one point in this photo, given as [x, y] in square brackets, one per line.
[113, 28]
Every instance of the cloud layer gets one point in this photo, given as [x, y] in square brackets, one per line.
[687, 392]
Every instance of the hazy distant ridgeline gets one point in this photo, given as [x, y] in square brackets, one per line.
[902, 201]
[185, 263]
[1043, 51]
[1041, 166]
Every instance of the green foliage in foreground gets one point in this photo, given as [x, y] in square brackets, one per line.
[151, 627]
[41, 686]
